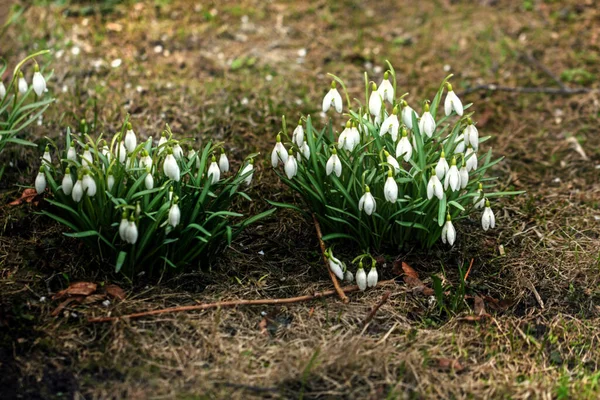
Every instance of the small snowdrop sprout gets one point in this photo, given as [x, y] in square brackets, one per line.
[372, 277]
[361, 277]
[427, 122]
[170, 166]
[291, 165]
[174, 213]
[452, 177]
[488, 219]
[386, 89]
[390, 189]
[452, 102]
[333, 98]
[334, 164]
[40, 181]
[22, 84]
[298, 135]
[448, 232]
[404, 148]
[442, 167]
[130, 139]
[67, 182]
[407, 114]
[214, 173]
[223, 162]
[248, 169]
[77, 193]
[367, 202]
[375, 102]
[279, 153]
[434, 187]
[38, 82]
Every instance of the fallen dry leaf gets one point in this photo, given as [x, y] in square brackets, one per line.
[263, 326]
[448, 364]
[61, 306]
[76, 289]
[409, 271]
[411, 278]
[27, 196]
[497, 305]
[115, 292]
[479, 307]
[94, 298]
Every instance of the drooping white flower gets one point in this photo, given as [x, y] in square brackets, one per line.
[214, 173]
[279, 153]
[170, 166]
[46, 158]
[305, 150]
[291, 166]
[122, 151]
[391, 125]
[22, 84]
[375, 101]
[40, 181]
[146, 161]
[471, 159]
[452, 178]
[404, 148]
[488, 219]
[131, 233]
[427, 123]
[298, 135]
[386, 89]
[38, 82]
[223, 162]
[174, 214]
[348, 277]
[67, 182]
[471, 134]
[334, 98]
[336, 266]
[407, 115]
[72, 153]
[77, 192]
[192, 154]
[460, 144]
[372, 277]
[149, 181]
[479, 199]
[161, 142]
[2, 90]
[88, 184]
[110, 181]
[349, 138]
[392, 161]
[452, 102]
[177, 151]
[361, 277]
[390, 189]
[248, 169]
[434, 187]
[334, 164]
[130, 139]
[86, 158]
[442, 167]
[106, 153]
[367, 202]
[123, 226]
[448, 232]
[464, 175]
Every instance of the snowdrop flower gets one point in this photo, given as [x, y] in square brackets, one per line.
[372, 277]
[427, 123]
[349, 138]
[67, 182]
[123, 226]
[122, 151]
[2, 90]
[130, 139]
[434, 187]
[334, 98]
[452, 177]
[348, 277]
[279, 153]
[72, 153]
[170, 193]
[22, 85]
[404, 147]
[214, 173]
[386, 89]
[336, 266]
[177, 151]
[106, 152]
[305, 151]
[249, 168]
[110, 181]
[298, 135]
[460, 144]
[391, 125]
[343, 138]
[452, 102]
[161, 142]
[392, 161]
[375, 101]
[223, 162]
[192, 154]
[149, 180]
[87, 159]
[291, 165]
[367, 202]
[488, 220]
[38, 82]
[471, 158]
[77, 192]
[471, 134]
[390, 189]
[334, 164]
[407, 114]
[88, 184]
[479, 199]
[146, 161]
[174, 214]
[170, 166]
[442, 166]
[40, 181]
[46, 158]
[361, 277]
[131, 233]
[448, 232]
[464, 175]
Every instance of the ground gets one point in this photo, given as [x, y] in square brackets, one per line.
[229, 70]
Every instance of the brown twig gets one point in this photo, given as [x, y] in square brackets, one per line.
[533, 61]
[336, 285]
[374, 310]
[469, 270]
[233, 303]
[517, 89]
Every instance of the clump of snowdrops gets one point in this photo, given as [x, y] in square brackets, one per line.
[395, 173]
[21, 103]
[146, 206]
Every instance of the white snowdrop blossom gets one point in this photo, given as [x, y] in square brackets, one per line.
[442, 166]
[336, 266]
[174, 214]
[72, 153]
[348, 277]
[367, 202]
[38, 82]
[77, 192]
[333, 98]
[22, 84]
[407, 115]
[305, 150]
[122, 150]
[392, 161]
[479, 199]
[131, 233]
[471, 135]
[386, 89]
[372, 277]
[130, 139]
[149, 181]
[86, 158]
[170, 166]
[404, 148]
[2, 90]
[177, 151]
[452, 102]
[448, 232]
[427, 123]
[334, 164]
[434, 187]
[214, 173]
[464, 175]
[460, 144]
[361, 277]
[123, 226]
[40, 181]
[349, 138]
[88, 184]
[298, 134]
[291, 166]
[471, 159]
[110, 181]
[249, 168]
[391, 125]
[390, 189]
[67, 182]
[375, 101]
[223, 162]
[488, 219]
[146, 161]
[452, 177]
[279, 153]
[161, 142]
[46, 158]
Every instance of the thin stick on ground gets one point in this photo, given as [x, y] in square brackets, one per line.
[374, 310]
[469, 270]
[234, 303]
[545, 90]
[336, 285]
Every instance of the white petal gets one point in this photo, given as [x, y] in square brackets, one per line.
[391, 190]
[149, 182]
[441, 168]
[375, 103]
[40, 183]
[291, 167]
[77, 193]
[361, 279]
[67, 184]
[372, 278]
[38, 83]
[450, 233]
[223, 163]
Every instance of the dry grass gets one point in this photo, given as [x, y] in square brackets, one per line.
[551, 235]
